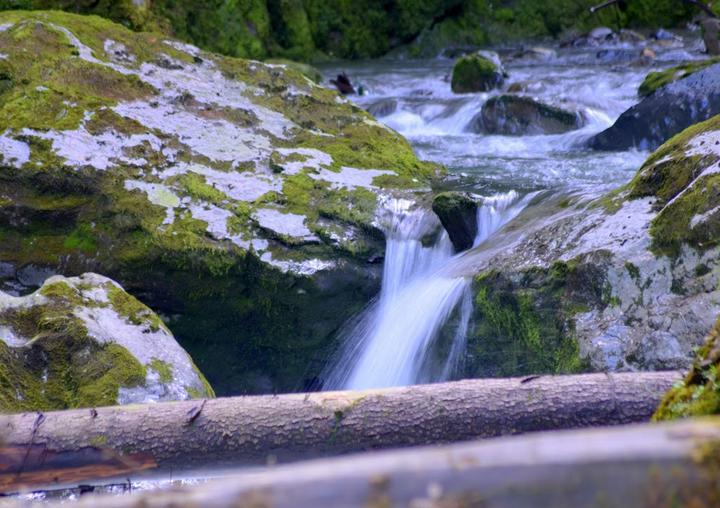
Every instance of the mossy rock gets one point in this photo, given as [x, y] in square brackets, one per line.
[85, 342]
[306, 70]
[656, 80]
[476, 73]
[682, 176]
[210, 186]
[699, 393]
[523, 323]
[458, 214]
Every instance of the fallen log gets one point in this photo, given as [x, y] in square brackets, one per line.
[649, 465]
[242, 431]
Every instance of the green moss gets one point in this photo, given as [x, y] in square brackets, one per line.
[656, 80]
[673, 177]
[132, 309]
[82, 239]
[699, 393]
[194, 185]
[474, 73]
[527, 328]
[163, 369]
[109, 369]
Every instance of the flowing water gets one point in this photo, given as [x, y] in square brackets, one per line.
[415, 330]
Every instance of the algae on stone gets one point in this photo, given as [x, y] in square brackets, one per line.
[158, 176]
[699, 392]
[84, 342]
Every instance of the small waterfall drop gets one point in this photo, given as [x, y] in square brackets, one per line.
[393, 341]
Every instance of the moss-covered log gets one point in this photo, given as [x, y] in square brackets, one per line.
[250, 430]
[644, 465]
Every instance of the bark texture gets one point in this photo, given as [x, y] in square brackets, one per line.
[646, 466]
[256, 430]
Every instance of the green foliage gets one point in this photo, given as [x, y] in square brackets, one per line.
[312, 29]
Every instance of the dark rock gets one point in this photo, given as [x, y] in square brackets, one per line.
[343, 84]
[383, 107]
[711, 35]
[479, 72]
[663, 114]
[458, 214]
[515, 115]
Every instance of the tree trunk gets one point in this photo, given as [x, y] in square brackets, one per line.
[649, 466]
[72, 446]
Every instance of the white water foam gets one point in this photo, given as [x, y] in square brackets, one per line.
[393, 342]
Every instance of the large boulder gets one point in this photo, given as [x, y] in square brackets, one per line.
[630, 281]
[458, 214]
[515, 115]
[478, 72]
[85, 342]
[235, 197]
[664, 113]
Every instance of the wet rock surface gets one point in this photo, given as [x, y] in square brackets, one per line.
[232, 196]
[666, 112]
[458, 214]
[478, 72]
[85, 342]
[516, 115]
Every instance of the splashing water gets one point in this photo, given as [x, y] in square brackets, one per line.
[393, 342]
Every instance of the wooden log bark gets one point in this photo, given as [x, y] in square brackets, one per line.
[255, 430]
[646, 466]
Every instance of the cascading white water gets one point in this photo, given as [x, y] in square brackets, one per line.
[391, 342]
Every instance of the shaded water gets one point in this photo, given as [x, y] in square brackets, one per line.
[398, 339]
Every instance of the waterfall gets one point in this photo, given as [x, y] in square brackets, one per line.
[395, 340]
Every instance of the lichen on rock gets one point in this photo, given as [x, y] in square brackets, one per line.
[84, 342]
[161, 165]
[640, 281]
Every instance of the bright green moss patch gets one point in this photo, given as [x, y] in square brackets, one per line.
[699, 393]
[526, 327]
[685, 197]
[194, 185]
[475, 73]
[656, 80]
[132, 309]
[163, 369]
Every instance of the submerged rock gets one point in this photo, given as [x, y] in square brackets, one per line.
[235, 196]
[664, 113]
[458, 214]
[383, 107]
[515, 115]
[85, 342]
[631, 281]
[479, 72]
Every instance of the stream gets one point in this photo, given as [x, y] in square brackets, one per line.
[415, 330]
